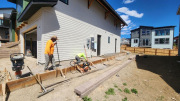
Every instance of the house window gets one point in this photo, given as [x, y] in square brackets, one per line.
[143, 32]
[162, 41]
[135, 40]
[65, 1]
[162, 32]
[167, 41]
[156, 41]
[167, 31]
[148, 32]
[0, 21]
[157, 32]
[145, 42]
[108, 39]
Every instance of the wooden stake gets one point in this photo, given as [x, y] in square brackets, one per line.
[4, 91]
[56, 73]
[65, 71]
[156, 52]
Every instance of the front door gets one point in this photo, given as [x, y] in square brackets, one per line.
[98, 45]
[115, 44]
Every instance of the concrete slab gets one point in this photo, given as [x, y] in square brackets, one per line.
[120, 58]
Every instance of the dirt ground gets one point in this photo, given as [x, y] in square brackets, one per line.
[156, 78]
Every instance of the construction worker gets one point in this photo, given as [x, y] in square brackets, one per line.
[49, 50]
[78, 56]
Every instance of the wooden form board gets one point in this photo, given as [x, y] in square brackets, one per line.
[28, 81]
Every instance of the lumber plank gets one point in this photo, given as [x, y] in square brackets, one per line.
[1, 93]
[20, 83]
[85, 88]
[47, 75]
[56, 73]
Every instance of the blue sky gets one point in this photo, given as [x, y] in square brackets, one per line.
[155, 13]
[5, 4]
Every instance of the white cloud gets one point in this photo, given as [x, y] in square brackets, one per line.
[128, 1]
[126, 18]
[127, 29]
[125, 33]
[126, 10]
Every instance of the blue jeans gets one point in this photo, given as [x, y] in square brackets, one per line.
[77, 59]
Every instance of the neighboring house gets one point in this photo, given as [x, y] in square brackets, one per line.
[153, 37]
[125, 41]
[73, 21]
[178, 13]
[4, 27]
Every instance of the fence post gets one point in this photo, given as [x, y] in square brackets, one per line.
[125, 48]
[155, 51]
[134, 49]
[169, 52]
[144, 50]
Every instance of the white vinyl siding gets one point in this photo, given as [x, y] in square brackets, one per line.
[35, 20]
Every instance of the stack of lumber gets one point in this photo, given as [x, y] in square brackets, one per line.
[87, 87]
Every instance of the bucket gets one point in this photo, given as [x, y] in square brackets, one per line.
[28, 52]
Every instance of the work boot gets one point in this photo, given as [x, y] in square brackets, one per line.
[54, 67]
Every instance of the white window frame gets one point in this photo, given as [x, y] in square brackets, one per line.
[135, 40]
[158, 42]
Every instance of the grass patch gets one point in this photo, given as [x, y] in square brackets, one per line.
[126, 90]
[119, 89]
[115, 85]
[134, 91]
[160, 99]
[86, 98]
[106, 96]
[110, 91]
[125, 99]
[124, 84]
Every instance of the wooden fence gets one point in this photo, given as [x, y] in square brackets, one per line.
[151, 51]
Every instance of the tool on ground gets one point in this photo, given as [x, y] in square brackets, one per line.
[59, 63]
[87, 58]
[44, 90]
[17, 60]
